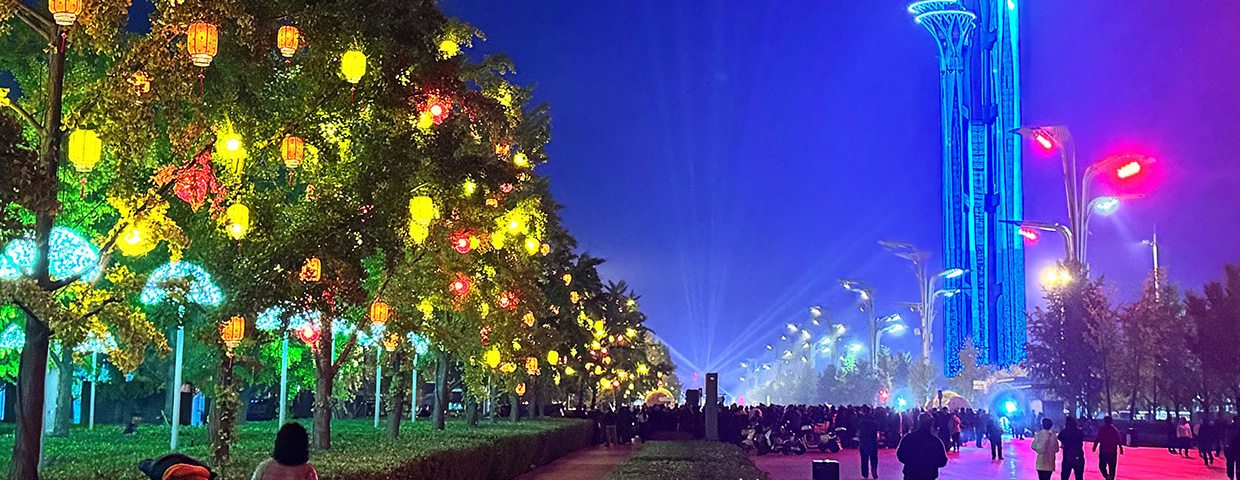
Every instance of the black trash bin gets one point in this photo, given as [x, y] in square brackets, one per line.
[826, 469]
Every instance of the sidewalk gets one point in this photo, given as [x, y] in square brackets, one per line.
[590, 463]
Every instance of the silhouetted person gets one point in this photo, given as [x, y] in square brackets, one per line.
[867, 434]
[175, 466]
[1232, 451]
[1112, 446]
[921, 452]
[1072, 439]
[609, 427]
[994, 433]
[290, 460]
[1046, 443]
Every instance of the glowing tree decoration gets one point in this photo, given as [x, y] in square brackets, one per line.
[65, 12]
[531, 245]
[528, 318]
[545, 249]
[419, 343]
[193, 183]
[309, 334]
[379, 312]
[69, 255]
[141, 83]
[85, 149]
[553, 357]
[520, 160]
[312, 270]
[492, 357]
[437, 108]
[292, 151]
[462, 242]
[508, 301]
[238, 219]
[520, 389]
[568, 279]
[203, 43]
[531, 366]
[230, 148]
[422, 211]
[508, 367]
[288, 38]
[202, 292]
[449, 48]
[13, 338]
[353, 66]
[460, 286]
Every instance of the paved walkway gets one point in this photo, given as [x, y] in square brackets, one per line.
[590, 463]
[974, 463]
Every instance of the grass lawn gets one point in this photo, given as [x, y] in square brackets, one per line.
[685, 460]
[357, 447]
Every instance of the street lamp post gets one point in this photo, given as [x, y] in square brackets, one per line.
[866, 294]
[926, 287]
[888, 324]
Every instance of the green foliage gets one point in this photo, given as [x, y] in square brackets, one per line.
[683, 460]
[484, 452]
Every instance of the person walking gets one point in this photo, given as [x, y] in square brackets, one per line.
[1112, 446]
[1232, 450]
[921, 452]
[1072, 439]
[867, 436]
[994, 433]
[1205, 440]
[953, 428]
[609, 427]
[290, 460]
[1046, 443]
[1184, 437]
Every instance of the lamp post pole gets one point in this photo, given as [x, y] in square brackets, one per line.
[866, 294]
[283, 377]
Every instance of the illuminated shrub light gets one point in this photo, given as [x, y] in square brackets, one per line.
[201, 290]
[419, 343]
[13, 338]
[69, 255]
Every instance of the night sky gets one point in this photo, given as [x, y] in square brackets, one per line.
[732, 160]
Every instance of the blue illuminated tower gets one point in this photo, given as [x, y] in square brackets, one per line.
[979, 69]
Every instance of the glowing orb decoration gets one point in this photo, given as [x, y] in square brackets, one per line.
[419, 343]
[449, 48]
[460, 286]
[470, 187]
[230, 146]
[508, 367]
[288, 38]
[553, 357]
[528, 318]
[96, 343]
[531, 366]
[85, 150]
[353, 66]
[492, 357]
[232, 331]
[569, 370]
[238, 219]
[13, 338]
[461, 242]
[520, 389]
[531, 245]
[508, 300]
[643, 369]
[201, 290]
[545, 249]
[65, 12]
[379, 312]
[312, 271]
[202, 43]
[309, 334]
[69, 255]
[493, 203]
[437, 109]
[520, 160]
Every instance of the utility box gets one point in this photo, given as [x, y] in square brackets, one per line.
[826, 469]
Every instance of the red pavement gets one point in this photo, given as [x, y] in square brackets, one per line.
[974, 463]
[592, 463]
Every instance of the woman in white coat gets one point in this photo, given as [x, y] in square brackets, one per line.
[1046, 443]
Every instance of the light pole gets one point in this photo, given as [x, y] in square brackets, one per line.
[866, 295]
[1080, 204]
[888, 324]
[926, 287]
[1153, 244]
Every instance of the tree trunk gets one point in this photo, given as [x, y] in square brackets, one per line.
[30, 389]
[396, 399]
[64, 393]
[323, 383]
[491, 400]
[514, 413]
[471, 412]
[441, 389]
[535, 397]
[243, 411]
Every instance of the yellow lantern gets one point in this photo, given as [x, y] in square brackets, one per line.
[353, 66]
[569, 370]
[85, 148]
[232, 331]
[238, 218]
[553, 357]
[422, 209]
[135, 241]
[492, 358]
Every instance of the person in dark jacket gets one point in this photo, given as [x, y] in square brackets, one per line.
[175, 466]
[1073, 441]
[921, 452]
[1112, 444]
[994, 433]
[1232, 451]
[867, 436]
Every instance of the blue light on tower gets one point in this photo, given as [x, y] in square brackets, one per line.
[979, 46]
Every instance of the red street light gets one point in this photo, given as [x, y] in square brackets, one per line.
[1129, 169]
[1044, 140]
[1031, 235]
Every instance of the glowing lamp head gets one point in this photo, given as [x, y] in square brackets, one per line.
[1106, 205]
[288, 38]
[953, 273]
[884, 395]
[202, 43]
[1044, 140]
[65, 12]
[1055, 276]
[1010, 407]
[901, 402]
[353, 66]
[1031, 235]
[1128, 170]
[85, 149]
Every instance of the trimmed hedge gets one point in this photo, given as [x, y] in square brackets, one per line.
[684, 460]
[487, 452]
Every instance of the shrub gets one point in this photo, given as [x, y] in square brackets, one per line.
[683, 460]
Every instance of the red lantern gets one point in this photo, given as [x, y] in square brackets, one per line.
[141, 83]
[438, 108]
[309, 334]
[520, 389]
[203, 43]
[391, 342]
[292, 151]
[379, 312]
[288, 38]
[506, 187]
[65, 12]
[312, 270]
[460, 286]
[233, 331]
[462, 242]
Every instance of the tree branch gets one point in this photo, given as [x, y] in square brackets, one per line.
[32, 16]
[99, 309]
[25, 18]
[28, 118]
[344, 352]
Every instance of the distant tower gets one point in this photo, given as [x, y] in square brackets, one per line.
[980, 92]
